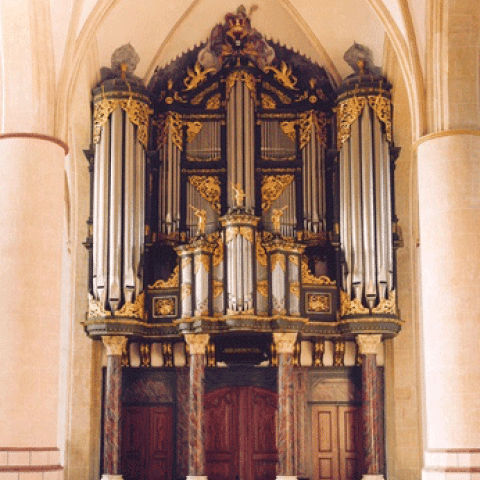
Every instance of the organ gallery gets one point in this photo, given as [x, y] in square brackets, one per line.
[242, 255]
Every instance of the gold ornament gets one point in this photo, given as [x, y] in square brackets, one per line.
[133, 310]
[261, 254]
[383, 109]
[308, 278]
[172, 281]
[295, 289]
[283, 75]
[278, 258]
[217, 288]
[286, 100]
[209, 188]
[197, 343]
[196, 76]
[272, 187]
[204, 260]
[115, 345]
[197, 99]
[347, 113]
[239, 194]
[242, 76]
[214, 102]
[262, 287]
[163, 307]
[202, 217]
[193, 129]
[175, 123]
[318, 303]
[268, 103]
[387, 305]
[351, 307]
[96, 308]
[277, 214]
[138, 113]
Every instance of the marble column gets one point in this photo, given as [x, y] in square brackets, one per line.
[112, 408]
[372, 408]
[285, 343]
[197, 344]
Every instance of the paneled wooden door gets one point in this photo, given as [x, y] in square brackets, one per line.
[337, 442]
[147, 443]
[240, 434]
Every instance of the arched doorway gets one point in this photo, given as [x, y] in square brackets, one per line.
[240, 433]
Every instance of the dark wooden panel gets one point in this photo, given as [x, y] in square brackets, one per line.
[159, 464]
[133, 441]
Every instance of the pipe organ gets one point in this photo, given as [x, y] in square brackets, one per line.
[242, 190]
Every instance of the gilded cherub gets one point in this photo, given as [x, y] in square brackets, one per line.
[277, 214]
[202, 218]
[239, 194]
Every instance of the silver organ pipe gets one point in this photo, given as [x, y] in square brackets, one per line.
[364, 133]
[118, 197]
[115, 211]
[240, 142]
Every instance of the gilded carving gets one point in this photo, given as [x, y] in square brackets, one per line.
[383, 109]
[283, 75]
[193, 129]
[272, 187]
[261, 254]
[347, 113]
[284, 342]
[198, 99]
[368, 344]
[285, 99]
[318, 303]
[175, 123]
[114, 344]
[239, 194]
[138, 113]
[196, 76]
[293, 259]
[262, 287]
[230, 234]
[289, 129]
[320, 120]
[172, 281]
[214, 102]
[246, 233]
[209, 188]
[164, 307]
[242, 76]
[197, 342]
[204, 260]
[308, 278]
[96, 308]
[133, 310]
[268, 103]
[217, 257]
[277, 214]
[351, 307]
[201, 219]
[387, 305]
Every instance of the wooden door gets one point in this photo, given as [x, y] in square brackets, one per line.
[240, 434]
[147, 443]
[337, 442]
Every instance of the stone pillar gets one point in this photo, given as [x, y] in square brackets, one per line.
[112, 408]
[372, 408]
[449, 209]
[285, 343]
[197, 344]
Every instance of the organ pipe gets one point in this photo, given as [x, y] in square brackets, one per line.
[121, 115]
[364, 138]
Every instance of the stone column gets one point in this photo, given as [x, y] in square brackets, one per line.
[372, 408]
[196, 418]
[285, 343]
[449, 209]
[112, 408]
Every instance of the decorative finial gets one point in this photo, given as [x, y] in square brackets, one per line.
[125, 60]
[360, 58]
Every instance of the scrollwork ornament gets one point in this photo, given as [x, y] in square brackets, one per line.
[164, 307]
[351, 307]
[209, 188]
[319, 303]
[272, 187]
[347, 113]
[133, 310]
[387, 305]
[308, 278]
[247, 234]
[283, 75]
[262, 288]
[172, 282]
[96, 308]
[175, 123]
[261, 254]
[383, 110]
[242, 76]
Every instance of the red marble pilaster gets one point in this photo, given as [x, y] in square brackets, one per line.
[183, 378]
[112, 407]
[372, 408]
[286, 404]
[196, 416]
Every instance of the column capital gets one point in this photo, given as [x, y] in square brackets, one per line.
[285, 342]
[197, 342]
[114, 344]
[368, 343]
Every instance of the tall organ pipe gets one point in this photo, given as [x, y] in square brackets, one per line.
[120, 113]
[364, 133]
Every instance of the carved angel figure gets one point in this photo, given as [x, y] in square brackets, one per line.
[239, 194]
[277, 214]
[202, 218]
